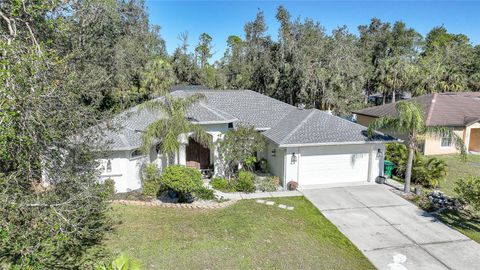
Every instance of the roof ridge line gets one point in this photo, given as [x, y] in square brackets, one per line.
[430, 111]
[298, 126]
[213, 111]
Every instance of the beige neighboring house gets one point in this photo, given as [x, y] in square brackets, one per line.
[458, 111]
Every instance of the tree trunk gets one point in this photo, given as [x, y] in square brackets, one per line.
[394, 99]
[408, 173]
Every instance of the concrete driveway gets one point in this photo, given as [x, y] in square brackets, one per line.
[393, 233]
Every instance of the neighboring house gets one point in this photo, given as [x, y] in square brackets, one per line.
[458, 111]
[310, 147]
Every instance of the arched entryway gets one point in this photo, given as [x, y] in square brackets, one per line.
[198, 156]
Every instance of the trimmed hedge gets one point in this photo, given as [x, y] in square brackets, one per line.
[182, 180]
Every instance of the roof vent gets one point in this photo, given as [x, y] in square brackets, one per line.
[301, 106]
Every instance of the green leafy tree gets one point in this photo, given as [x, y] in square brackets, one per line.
[410, 121]
[157, 77]
[173, 124]
[204, 49]
[446, 64]
[108, 44]
[389, 51]
[238, 147]
[44, 227]
[184, 64]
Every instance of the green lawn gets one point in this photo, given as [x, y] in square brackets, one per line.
[457, 169]
[246, 235]
[466, 225]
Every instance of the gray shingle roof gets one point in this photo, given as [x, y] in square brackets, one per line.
[314, 127]
[284, 123]
[247, 106]
[131, 122]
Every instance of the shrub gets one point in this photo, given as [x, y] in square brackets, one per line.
[268, 184]
[292, 185]
[151, 180]
[109, 186]
[121, 262]
[219, 183]
[182, 180]
[468, 190]
[205, 194]
[245, 182]
[398, 154]
[426, 171]
[238, 147]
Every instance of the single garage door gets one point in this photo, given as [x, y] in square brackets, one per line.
[333, 164]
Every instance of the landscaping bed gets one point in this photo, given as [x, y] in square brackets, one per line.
[246, 235]
[444, 201]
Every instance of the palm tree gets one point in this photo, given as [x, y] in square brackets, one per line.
[173, 124]
[410, 120]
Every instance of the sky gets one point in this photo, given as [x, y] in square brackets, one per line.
[221, 19]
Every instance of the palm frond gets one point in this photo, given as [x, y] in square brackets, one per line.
[153, 133]
[200, 135]
[382, 123]
[193, 99]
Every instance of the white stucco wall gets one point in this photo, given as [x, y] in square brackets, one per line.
[126, 171]
[275, 163]
[328, 158]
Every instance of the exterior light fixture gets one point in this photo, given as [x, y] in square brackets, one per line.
[294, 158]
[379, 153]
[274, 152]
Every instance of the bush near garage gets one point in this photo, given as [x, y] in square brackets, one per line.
[428, 172]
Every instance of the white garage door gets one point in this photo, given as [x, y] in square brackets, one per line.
[333, 164]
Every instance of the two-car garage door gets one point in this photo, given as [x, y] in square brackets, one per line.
[335, 164]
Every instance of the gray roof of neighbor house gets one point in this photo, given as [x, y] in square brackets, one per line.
[443, 109]
[282, 123]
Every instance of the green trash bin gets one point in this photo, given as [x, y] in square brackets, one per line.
[388, 168]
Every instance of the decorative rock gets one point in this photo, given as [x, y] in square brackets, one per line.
[269, 203]
[441, 201]
[283, 206]
[290, 208]
[260, 201]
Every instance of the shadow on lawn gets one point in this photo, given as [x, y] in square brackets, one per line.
[460, 220]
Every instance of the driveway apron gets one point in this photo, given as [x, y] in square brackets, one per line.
[393, 233]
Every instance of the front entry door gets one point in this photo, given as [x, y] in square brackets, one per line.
[197, 156]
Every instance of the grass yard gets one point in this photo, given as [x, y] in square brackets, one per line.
[466, 225]
[457, 169]
[246, 235]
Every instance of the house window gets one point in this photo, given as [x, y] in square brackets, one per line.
[109, 165]
[230, 125]
[446, 141]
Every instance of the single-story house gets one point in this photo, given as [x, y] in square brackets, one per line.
[308, 146]
[458, 111]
